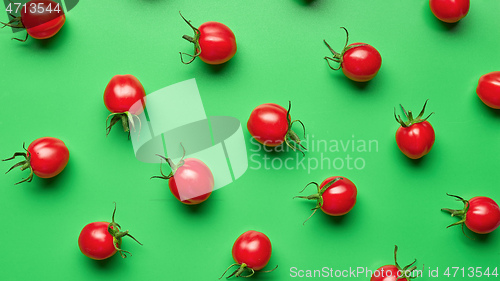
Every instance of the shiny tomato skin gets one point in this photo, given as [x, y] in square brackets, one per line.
[449, 11]
[340, 197]
[252, 248]
[483, 215]
[96, 242]
[268, 124]
[45, 24]
[122, 92]
[488, 89]
[416, 140]
[361, 63]
[388, 273]
[217, 43]
[48, 156]
[192, 183]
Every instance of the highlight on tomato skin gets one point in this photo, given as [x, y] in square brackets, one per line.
[488, 89]
[45, 157]
[42, 19]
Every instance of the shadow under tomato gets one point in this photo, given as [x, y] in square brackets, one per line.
[102, 264]
[57, 181]
[481, 106]
[306, 2]
[432, 20]
[219, 68]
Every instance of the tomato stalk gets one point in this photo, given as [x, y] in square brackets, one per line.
[15, 22]
[242, 268]
[25, 164]
[126, 118]
[317, 196]
[409, 116]
[172, 165]
[194, 40]
[291, 135]
[114, 230]
[458, 213]
[407, 270]
[339, 57]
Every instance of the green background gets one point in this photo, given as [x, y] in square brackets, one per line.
[54, 88]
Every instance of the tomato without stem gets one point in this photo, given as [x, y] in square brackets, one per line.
[45, 157]
[101, 240]
[488, 89]
[360, 62]
[336, 196]
[394, 272]
[416, 136]
[251, 252]
[480, 214]
[214, 43]
[449, 11]
[270, 124]
[42, 19]
[122, 98]
[190, 181]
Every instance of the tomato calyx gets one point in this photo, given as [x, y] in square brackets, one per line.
[339, 57]
[172, 165]
[458, 213]
[15, 22]
[409, 116]
[114, 230]
[317, 196]
[194, 40]
[291, 135]
[127, 120]
[242, 268]
[408, 269]
[25, 164]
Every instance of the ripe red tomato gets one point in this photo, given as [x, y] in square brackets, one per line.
[190, 181]
[336, 196]
[488, 89]
[213, 42]
[416, 136]
[42, 19]
[394, 272]
[251, 252]
[449, 10]
[271, 125]
[101, 240]
[121, 97]
[45, 157]
[360, 62]
[480, 214]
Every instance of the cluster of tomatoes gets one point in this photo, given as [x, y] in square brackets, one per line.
[191, 181]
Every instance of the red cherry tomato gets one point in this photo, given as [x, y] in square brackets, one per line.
[121, 98]
[251, 252]
[360, 62]
[414, 137]
[449, 10]
[191, 181]
[271, 125]
[488, 89]
[214, 42]
[480, 214]
[42, 19]
[101, 240]
[394, 272]
[45, 157]
[336, 196]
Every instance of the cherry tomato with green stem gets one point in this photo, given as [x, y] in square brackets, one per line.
[480, 214]
[214, 43]
[251, 252]
[125, 98]
[394, 272]
[42, 19]
[271, 125]
[45, 157]
[488, 89]
[416, 136]
[449, 11]
[336, 196]
[360, 62]
[101, 240]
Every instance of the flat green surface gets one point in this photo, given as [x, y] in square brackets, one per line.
[55, 87]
